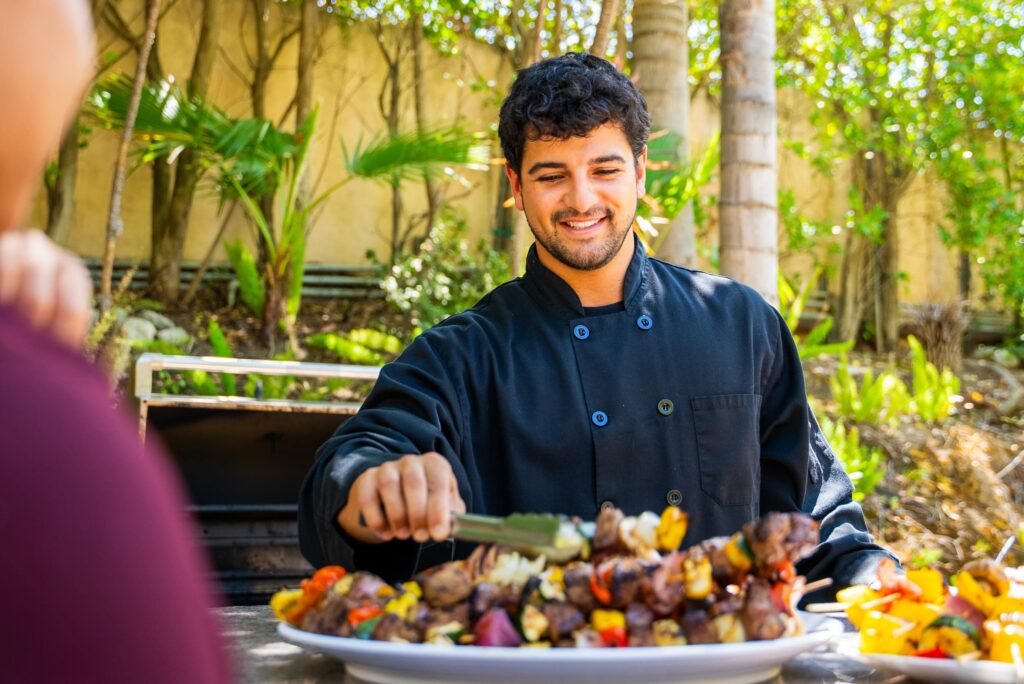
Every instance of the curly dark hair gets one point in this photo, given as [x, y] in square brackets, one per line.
[569, 96]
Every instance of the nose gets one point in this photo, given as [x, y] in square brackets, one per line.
[580, 195]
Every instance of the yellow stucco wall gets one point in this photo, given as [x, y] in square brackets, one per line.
[348, 77]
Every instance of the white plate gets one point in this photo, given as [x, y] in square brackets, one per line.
[949, 671]
[382, 662]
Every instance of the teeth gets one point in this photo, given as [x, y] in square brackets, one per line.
[581, 225]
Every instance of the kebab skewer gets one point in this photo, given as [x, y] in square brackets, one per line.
[627, 585]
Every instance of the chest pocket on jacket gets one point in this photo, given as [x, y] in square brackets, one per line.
[728, 447]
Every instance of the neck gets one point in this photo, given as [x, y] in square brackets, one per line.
[599, 287]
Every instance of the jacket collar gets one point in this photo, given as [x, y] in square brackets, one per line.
[554, 293]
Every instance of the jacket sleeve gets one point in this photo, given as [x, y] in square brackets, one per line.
[415, 407]
[800, 472]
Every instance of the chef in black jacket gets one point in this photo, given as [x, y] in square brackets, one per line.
[602, 377]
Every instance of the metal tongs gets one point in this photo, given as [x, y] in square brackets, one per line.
[556, 537]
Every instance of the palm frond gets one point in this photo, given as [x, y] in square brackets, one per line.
[411, 156]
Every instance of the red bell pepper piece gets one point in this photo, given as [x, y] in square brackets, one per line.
[935, 652]
[600, 589]
[356, 616]
[614, 637]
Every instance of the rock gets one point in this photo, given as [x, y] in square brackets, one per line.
[1005, 358]
[158, 319]
[179, 337]
[134, 328]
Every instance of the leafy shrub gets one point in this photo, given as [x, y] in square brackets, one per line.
[361, 346]
[791, 306]
[442, 277]
[876, 401]
[865, 465]
[935, 393]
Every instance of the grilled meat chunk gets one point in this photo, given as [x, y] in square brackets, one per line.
[761, 620]
[446, 585]
[563, 619]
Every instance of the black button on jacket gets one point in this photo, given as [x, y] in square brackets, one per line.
[542, 405]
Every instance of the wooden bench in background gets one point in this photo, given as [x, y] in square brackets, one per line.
[326, 281]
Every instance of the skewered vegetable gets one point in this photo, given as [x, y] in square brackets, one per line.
[980, 616]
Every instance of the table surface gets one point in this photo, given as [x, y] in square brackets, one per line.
[261, 656]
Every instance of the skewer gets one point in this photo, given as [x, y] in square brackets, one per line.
[826, 607]
[817, 584]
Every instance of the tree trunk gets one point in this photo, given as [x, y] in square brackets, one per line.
[609, 13]
[748, 210]
[556, 31]
[420, 100]
[258, 92]
[534, 42]
[60, 191]
[115, 224]
[855, 273]
[660, 65]
[168, 247]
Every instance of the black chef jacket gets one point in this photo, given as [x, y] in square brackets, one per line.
[689, 392]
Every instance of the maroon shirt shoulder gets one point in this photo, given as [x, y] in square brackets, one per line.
[102, 578]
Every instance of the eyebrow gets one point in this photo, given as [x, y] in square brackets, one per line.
[539, 166]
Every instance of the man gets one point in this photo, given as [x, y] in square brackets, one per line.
[601, 377]
[103, 582]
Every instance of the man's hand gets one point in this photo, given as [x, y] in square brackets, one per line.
[411, 498]
[47, 284]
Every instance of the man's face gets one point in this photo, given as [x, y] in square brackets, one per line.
[580, 194]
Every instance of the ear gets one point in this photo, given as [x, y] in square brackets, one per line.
[517, 186]
[641, 173]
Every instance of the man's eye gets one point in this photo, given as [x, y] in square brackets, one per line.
[607, 172]
[548, 179]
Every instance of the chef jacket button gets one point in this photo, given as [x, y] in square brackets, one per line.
[674, 497]
[581, 332]
[666, 407]
[605, 505]
[644, 322]
[599, 418]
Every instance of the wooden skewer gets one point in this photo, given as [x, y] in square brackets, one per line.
[826, 607]
[817, 584]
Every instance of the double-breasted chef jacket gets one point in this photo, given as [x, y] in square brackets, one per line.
[688, 392]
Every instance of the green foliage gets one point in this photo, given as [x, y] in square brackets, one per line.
[791, 306]
[443, 276]
[925, 558]
[250, 285]
[935, 393]
[865, 465]
[361, 346]
[880, 400]
[672, 183]
[417, 156]
[220, 346]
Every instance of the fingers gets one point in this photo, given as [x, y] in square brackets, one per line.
[73, 311]
[439, 508]
[363, 516]
[414, 486]
[412, 497]
[48, 285]
[389, 489]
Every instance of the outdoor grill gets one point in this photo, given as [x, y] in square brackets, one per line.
[242, 461]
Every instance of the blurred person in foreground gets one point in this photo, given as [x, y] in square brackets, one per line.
[600, 378]
[102, 580]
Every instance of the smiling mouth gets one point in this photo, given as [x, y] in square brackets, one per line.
[583, 226]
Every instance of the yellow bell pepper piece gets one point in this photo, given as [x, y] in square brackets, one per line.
[283, 601]
[920, 614]
[968, 588]
[672, 528]
[668, 633]
[1003, 639]
[697, 578]
[343, 585]
[856, 596]
[601, 620]
[735, 553]
[933, 589]
[413, 588]
[882, 633]
[1006, 605]
[403, 605]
